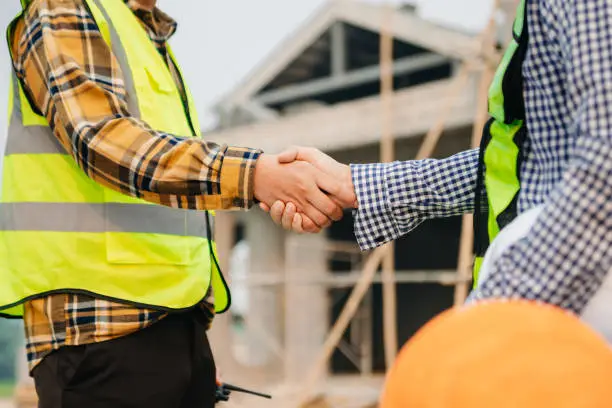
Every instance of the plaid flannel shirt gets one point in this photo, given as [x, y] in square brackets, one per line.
[73, 78]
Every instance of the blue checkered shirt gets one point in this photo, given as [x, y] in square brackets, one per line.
[567, 167]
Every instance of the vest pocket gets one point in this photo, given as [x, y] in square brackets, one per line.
[147, 249]
[155, 89]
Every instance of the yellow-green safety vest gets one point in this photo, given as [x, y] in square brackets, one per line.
[61, 232]
[501, 146]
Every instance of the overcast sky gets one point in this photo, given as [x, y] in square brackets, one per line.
[220, 41]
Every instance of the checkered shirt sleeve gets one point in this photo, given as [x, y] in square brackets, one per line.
[394, 198]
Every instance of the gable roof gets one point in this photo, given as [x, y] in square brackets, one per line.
[405, 26]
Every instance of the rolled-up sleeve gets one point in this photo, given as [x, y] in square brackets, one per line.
[75, 81]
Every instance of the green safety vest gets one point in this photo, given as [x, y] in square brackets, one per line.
[501, 145]
[61, 232]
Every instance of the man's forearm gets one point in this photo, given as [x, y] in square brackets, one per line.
[97, 130]
[395, 198]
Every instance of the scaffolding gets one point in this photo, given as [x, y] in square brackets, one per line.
[384, 256]
[356, 307]
[304, 389]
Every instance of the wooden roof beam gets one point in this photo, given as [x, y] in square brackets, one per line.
[355, 123]
[338, 49]
[351, 78]
[406, 27]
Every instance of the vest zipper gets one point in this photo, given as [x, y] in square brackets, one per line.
[209, 233]
[481, 241]
[182, 91]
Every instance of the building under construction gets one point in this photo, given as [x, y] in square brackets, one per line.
[322, 88]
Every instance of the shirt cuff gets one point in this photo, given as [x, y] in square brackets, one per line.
[374, 223]
[237, 171]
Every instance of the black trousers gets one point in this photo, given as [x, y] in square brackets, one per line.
[167, 365]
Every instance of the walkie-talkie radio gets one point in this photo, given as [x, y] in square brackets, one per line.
[224, 390]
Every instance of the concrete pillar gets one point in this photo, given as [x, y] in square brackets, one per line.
[224, 339]
[264, 321]
[306, 303]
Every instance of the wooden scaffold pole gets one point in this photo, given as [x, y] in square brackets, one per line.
[387, 155]
[335, 335]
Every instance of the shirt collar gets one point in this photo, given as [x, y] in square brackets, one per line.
[159, 25]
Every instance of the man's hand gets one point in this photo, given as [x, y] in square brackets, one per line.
[288, 215]
[304, 185]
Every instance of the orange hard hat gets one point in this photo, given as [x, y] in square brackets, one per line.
[502, 354]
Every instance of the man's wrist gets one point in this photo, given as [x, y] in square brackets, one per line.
[237, 178]
[262, 164]
[348, 184]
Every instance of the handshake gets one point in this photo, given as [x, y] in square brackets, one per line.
[303, 189]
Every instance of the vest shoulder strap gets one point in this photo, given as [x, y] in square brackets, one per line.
[506, 92]
[101, 22]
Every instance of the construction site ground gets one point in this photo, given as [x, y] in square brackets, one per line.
[337, 392]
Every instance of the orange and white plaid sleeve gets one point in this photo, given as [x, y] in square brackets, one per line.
[73, 78]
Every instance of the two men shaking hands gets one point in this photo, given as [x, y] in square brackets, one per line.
[303, 189]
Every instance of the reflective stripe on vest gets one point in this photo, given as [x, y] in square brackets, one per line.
[502, 141]
[106, 217]
[62, 232]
